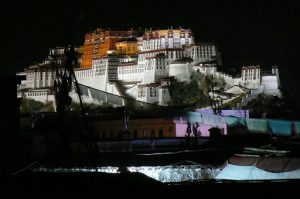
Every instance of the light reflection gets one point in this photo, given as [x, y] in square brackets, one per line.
[178, 173]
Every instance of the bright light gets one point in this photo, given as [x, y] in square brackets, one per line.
[174, 173]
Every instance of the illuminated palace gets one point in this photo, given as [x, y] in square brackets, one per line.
[126, 64]
[97, 43]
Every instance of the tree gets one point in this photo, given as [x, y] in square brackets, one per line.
[272, 106]
[30, 105]
[193, 93]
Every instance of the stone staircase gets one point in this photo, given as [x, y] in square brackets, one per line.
[122, 91]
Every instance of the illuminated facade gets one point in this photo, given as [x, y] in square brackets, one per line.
[97, 43]
[250, 76]
[166, 39]
[88, 50]
[203, 52]
[263, 81]
[119, 63]
[126, 47]
[138, 128]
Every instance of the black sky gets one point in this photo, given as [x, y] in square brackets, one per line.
[247, 32]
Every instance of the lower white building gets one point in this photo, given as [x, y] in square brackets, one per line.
[41, 95]
[130, 72]
[155, 69]
[251, 76]
[181, 70]
[203, 52]
[155, 93]
[254, 78]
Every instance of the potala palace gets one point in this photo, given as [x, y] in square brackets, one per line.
[140, 66]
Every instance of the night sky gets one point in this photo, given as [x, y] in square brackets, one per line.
[246, 32]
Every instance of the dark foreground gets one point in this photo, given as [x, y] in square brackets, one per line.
[135, 185]
[27, 184]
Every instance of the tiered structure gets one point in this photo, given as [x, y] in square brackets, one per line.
[127, 47]
[120, 63]
[254, 77]
[97, 43]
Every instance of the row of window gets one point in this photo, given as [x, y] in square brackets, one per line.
[143, 57]
[129, 67]
[162, 67]
[130, 71]
[39, 75]
[155, 44]
[158, 67]
[250, 75]
[127, 48]
[98, 62]
[178, 54]
[37, 94]
[204, 53]
[169, 54]
[87, 73]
